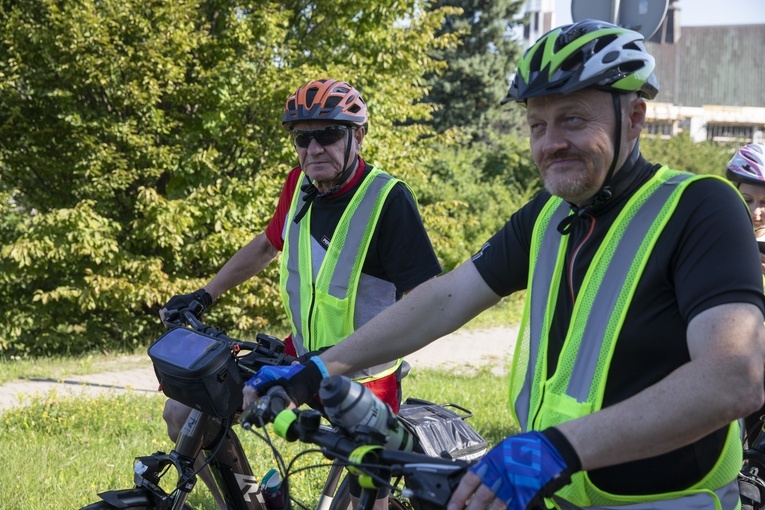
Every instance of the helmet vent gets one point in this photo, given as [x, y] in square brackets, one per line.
[331, 102]
[631, 67]
[536, 61]
[602, 42]
[572, 63]
[310, 95]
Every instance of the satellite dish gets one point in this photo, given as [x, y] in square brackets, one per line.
[643, 16]
[604, 10]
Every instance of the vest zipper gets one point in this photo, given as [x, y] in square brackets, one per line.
[309, 321]
[573, 258]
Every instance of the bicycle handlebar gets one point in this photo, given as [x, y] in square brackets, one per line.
[265, 350]
[429, 481]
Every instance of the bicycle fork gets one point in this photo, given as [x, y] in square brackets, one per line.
[233, 474]
[201, 432]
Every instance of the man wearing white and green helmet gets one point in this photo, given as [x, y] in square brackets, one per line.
[642, 340]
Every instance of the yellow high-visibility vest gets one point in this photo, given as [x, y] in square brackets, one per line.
[319, 288]
[578, 385]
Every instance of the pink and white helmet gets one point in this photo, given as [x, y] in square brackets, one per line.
[748, 164]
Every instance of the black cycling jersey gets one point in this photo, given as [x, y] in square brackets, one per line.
[692, 268]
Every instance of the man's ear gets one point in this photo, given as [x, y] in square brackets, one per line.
[636, 117]
[359, 133]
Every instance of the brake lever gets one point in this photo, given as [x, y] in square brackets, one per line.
[265, 409]
[169, 318]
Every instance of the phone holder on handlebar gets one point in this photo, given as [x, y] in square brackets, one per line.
[199, 365]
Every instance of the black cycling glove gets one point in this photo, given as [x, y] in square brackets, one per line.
[183, 301]
[301, 382]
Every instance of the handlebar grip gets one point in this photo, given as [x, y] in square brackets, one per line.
[266, 408]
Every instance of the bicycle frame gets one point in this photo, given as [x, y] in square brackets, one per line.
[229, 466]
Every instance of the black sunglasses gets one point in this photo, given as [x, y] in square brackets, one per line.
[324, 136]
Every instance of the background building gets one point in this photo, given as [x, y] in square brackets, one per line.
[711, 80]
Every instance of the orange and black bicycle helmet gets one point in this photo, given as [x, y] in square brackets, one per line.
[326, 100]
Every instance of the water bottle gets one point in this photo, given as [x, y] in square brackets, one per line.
[349, 404]
[273, 494]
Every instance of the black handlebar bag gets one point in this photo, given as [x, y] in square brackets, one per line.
[198, 370]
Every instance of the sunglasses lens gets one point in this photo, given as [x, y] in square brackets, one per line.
[324, 137]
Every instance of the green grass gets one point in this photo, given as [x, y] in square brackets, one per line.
[58, 453]
[505, 313]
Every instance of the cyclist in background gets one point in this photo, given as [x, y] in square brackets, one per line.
[747, 171]
[642, 340]
[351, 238]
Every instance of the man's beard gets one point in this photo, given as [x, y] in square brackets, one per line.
[570, 187]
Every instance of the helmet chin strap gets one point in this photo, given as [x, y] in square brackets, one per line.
[617, 100]
[347, 169]
[310, 190]
[601, 197]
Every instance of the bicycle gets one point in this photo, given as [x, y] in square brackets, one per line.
[207, 432]
[368, 451]
[209, 429]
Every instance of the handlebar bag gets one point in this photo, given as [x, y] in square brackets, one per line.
[440, 431]
[198, 370]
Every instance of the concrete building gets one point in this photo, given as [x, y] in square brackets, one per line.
[711, 80]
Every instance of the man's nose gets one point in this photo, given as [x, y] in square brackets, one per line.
[554, 140]
[315, 147]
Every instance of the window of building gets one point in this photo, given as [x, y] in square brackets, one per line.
[725, 133]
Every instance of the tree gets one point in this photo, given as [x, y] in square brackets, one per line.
[140, 148]
[681, 152]
[473, 191]
[468, 92]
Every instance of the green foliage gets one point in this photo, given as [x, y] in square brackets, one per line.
[682, 153]
[468, 90]
[488, 183]
[83, 446]
[140, 148]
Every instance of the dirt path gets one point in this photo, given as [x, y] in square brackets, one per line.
[462, 350]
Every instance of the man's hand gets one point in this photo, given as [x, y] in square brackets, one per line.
[301, 382]
[182, 301]
[518, 473]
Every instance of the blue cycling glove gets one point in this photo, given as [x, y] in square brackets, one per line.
[301, 382]
[524, 469]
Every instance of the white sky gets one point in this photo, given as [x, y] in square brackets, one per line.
[695, 12]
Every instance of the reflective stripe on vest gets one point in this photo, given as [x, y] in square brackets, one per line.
[725, 498]
[320, 301]
[577, 387]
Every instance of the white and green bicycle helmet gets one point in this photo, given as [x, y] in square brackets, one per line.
[586, 54]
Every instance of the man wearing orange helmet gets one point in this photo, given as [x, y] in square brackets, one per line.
[352, 238]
